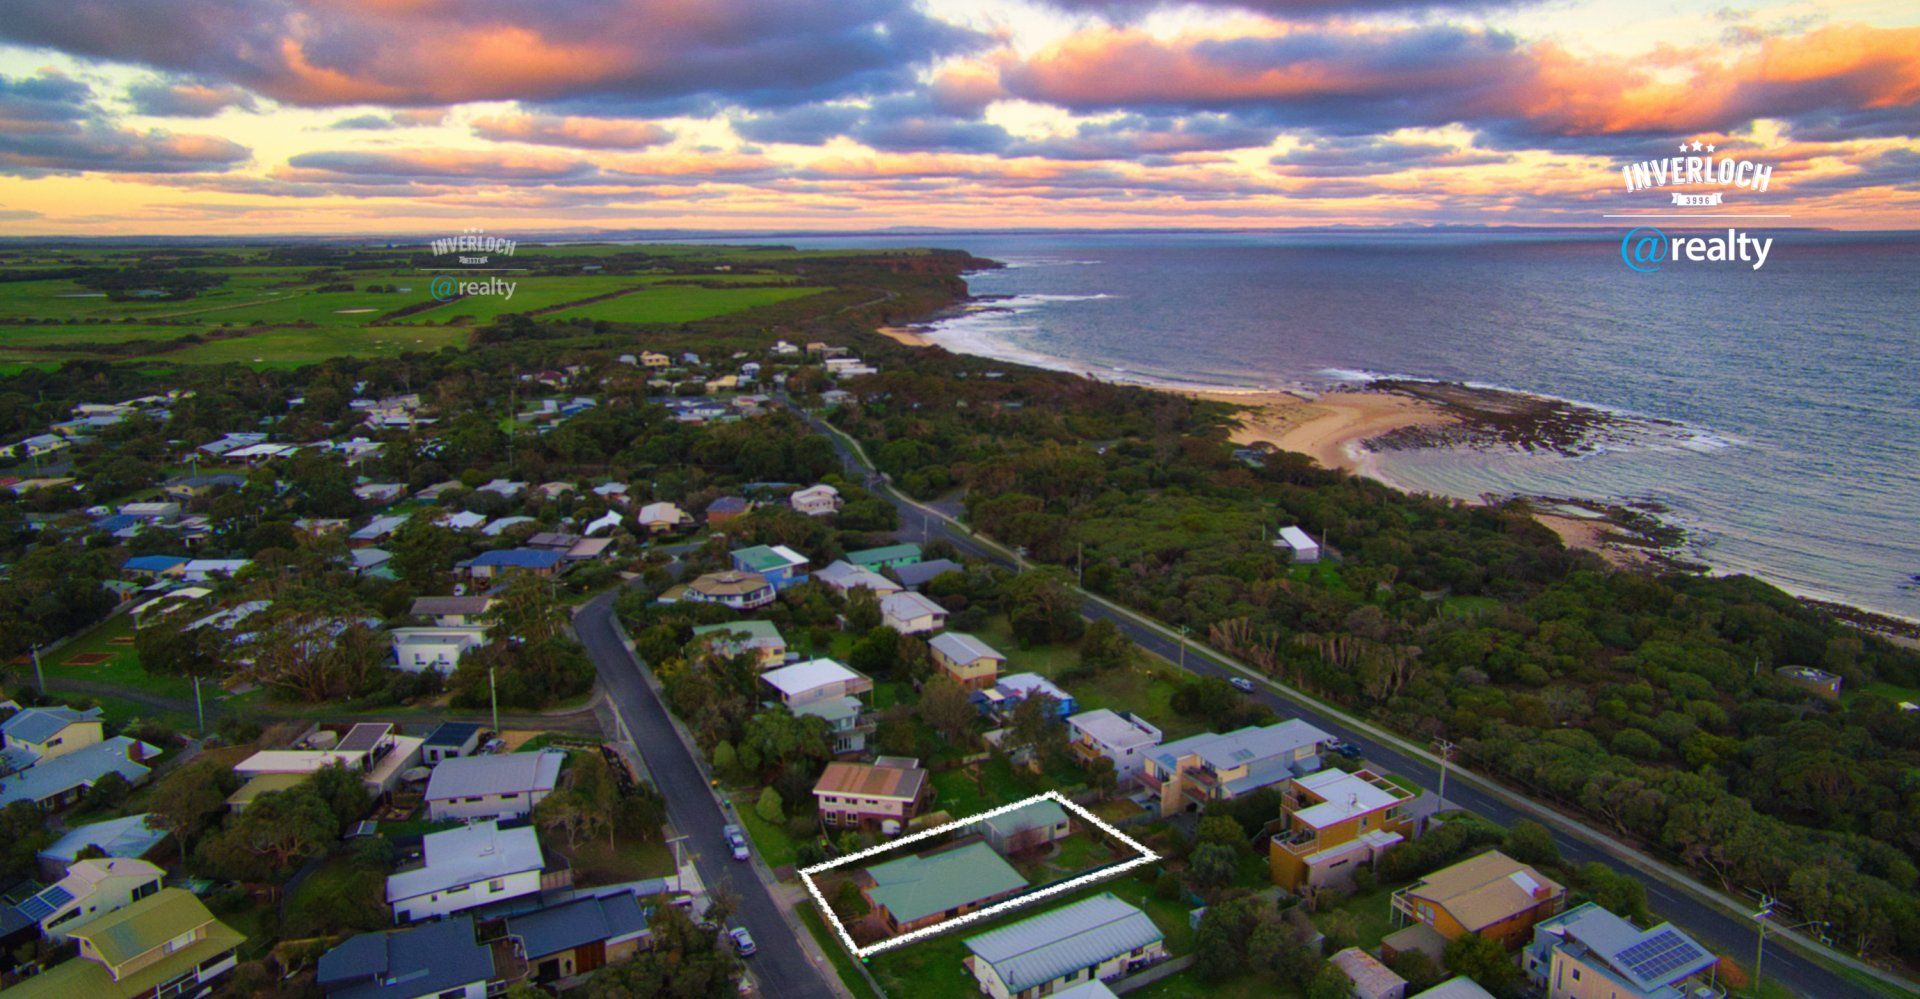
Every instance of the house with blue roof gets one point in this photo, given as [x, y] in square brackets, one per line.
[35, 735]
[1000, 700]
[576, 937]
[59, 782]
[154, 565]
[782, 566]
[128, 837]
[540, 562]
[441, 959]
[1095, 939]
[1588, 951]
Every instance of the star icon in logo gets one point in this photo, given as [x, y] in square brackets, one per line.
[1696, 145]
[1709, 147]
[1683, 147]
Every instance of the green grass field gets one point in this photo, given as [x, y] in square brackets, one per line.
[42, 337]
[681, 303]
[289, 348]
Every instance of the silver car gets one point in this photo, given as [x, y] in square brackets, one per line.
[742, 941]
[738, 841]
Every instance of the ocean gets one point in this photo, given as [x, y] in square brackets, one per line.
[1790, 394]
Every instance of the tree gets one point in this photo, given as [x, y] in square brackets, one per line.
[1104, 647]
[186, 798]
[682, 962]
[946, 706]
[1222, 829]
[1483, 960]
[1214, 865]
[1530, 843]
[267, 840]
[110, 790]
[770, 808]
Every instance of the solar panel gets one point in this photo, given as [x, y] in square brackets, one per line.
[46, 903]
[1659, 955]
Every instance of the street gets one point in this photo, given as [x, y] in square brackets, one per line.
[781, 967]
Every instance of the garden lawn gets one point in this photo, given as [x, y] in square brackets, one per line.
[681, 303]
[628, 859]
[289, 348]
[771, 842]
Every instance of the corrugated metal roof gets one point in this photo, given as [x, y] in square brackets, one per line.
[1045, 947]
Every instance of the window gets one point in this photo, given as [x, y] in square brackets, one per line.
[497, 884]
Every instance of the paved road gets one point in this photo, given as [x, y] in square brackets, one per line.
[781, 967]
[1718, 929]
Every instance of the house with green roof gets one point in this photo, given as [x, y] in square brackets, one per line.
[761, 638]
[166, 943]
[886, 556]
[915, 892]
[782, 566]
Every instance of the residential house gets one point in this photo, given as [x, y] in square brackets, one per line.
[1334, 823]
[845, 577]
[917, 574]
[553, 541]
[778, 564]
[452, 612]
[588, 549]
[1492, 895]
[380, 493]
[501, 525]
[1303, 548]
[435, 648]
[1457, 987]
[155, 566]
[438, 960]
[574, 938]
[1819, 681]
[725, 509]
[885, 557]
[133, 837]
[154, 511]
[816, 501]
[503, 487]
[662, 518]
[1001, 699]
[1188, 773]
[761, 638]
[909, 613]
[377, 530]
[1587, 952]
[489, 565]
[738, 590]
[164, 945]
[371, 562]
[35, 735]
[504, 786]
[1121, 737]
[370, 749]
[885, 794]
[1028, 827]
[825, 689]
[206, 570]
[432, 493]
[190, 487]
[966, 660]
[650, 359]
[90, 890]
[449, 740]
[61, 781]
[464, 868]
[1370, 978]
[915, 892]
[605, 522]
[1099, 938]
[231, 442]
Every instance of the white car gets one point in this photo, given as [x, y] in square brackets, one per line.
[742, 941]
[1242, 684]
[738, 841]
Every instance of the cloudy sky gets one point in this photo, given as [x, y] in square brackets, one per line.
[389, 116]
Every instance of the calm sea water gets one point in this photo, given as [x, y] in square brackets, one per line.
[1796, 387]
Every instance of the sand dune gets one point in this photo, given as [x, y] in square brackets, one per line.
[1330, 428]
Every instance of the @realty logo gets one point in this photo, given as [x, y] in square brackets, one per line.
[1646, 249]
[446, 288]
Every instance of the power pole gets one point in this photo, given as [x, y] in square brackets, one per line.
[199, 709]
[1760, 918]
[1183, 645]
[1446, 758]
[39, 680]
[1080, 563]
[493, 695]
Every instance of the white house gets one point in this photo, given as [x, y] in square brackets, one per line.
[436, 647]
[1304, 548]
[91, 889]
[465, 868]
[202, 570]
[815, 680]
[506, 786]
[1122, 738]
[909, 613]
[843, 576]
[1100, 938]
[816, 501]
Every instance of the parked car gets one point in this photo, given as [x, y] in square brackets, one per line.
[1242, 684]
[742, 941]
[1346, 749]
[738, 841]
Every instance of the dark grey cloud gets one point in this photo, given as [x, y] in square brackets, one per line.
[187, 98]
[609, 53]
[51, 124]
[1361, 156]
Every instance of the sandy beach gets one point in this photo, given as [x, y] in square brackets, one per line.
[904, 336]
[1591, 534]
[1331, 428]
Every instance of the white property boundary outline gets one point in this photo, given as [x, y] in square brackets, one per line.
[806, 876]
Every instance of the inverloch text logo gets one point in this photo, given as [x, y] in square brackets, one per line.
[1647, 249]
[474, 246]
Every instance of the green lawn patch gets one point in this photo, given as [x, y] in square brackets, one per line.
[289, 348]
[771, 842]
[681, 303]
[596, 862]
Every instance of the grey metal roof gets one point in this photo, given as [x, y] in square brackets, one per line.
[452, 734]
[41, 724]
[1045, 947]
[510, 773]
[919, 573]
[964, 648]
[422, 960]
[581, 921]
[1243, 746]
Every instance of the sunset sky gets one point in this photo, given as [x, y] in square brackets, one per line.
[372, 117]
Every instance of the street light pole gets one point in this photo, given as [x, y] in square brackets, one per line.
[199, 709]
[1446, 758]
[1183, 645]
[1760, 948]
[493, 695]
[38, 679]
